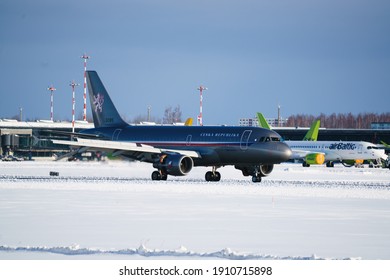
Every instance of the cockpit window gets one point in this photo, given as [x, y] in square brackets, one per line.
[269, 139]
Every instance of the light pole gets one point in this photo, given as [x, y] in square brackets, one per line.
[73, 85]
[200, 117]
[51, 89]
[85, 57]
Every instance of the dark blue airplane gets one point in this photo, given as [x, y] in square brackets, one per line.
[174, 150]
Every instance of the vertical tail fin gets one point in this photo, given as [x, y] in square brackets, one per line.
[188, 122]
[312, 134]
[262, 121]
[103, 110]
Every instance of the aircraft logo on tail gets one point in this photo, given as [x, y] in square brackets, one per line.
[98, 102]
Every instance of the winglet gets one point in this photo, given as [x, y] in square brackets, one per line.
[312, 134]
[262, 121]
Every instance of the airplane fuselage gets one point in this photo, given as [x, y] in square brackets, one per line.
[337, 151]
[216, 145]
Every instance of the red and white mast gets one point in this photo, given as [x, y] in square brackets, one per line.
[73, 85]
[200, 117]
[85, 57]
[51, 89]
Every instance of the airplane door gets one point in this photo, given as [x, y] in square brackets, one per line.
[188, 140]
[244, 139]
[116, 133]
[360, 149]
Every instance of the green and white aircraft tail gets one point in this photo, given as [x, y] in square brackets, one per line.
[311, 135]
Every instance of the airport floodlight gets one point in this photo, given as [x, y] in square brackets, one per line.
[51, 89]
[85, 57]
[73, 85]
[200, 117]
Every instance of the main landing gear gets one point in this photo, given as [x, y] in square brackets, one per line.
[213, 176]
[159, 175]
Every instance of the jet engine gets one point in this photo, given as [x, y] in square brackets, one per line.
[176, 165]
[265, 170]
[315, 158]
[256, 170]
[352, 162]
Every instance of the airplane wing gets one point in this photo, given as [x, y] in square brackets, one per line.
[129, 149]
[301, 154]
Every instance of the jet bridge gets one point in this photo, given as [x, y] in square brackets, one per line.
[10, 138]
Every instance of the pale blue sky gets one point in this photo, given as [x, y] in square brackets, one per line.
[309, 56]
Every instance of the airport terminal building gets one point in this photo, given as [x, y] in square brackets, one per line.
[33, 139]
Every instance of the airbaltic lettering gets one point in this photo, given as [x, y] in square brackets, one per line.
[342, 146]
[207, 134]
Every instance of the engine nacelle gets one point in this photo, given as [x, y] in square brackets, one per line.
[359, 161]
[315, 158]
[176, 165]
[266, 169]
[352, 162]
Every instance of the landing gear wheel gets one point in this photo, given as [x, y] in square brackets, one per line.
[217, 177]
[212, 177]
[330, 164]
[256, 179]
[156, 176]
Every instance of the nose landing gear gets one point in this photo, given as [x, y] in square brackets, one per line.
[256, 178]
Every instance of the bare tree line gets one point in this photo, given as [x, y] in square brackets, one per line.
[171, 115]
[349, 120]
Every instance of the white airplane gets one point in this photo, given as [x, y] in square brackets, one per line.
[318, 152]
[348, 153]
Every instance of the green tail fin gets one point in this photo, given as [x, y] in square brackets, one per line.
[385, 144]
[312, 134]
[262, 121]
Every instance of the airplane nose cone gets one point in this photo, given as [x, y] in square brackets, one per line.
[285, 152]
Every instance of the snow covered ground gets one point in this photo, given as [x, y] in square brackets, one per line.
[112, 210]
